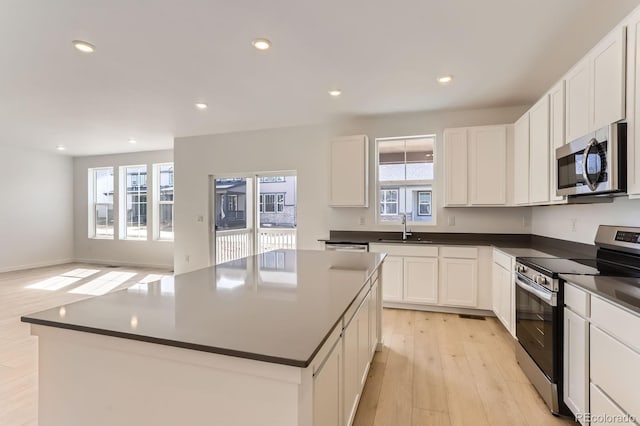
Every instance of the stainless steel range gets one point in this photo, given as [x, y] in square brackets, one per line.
[539, 302]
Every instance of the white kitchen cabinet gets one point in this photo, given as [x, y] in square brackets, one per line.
[633, 106]
[393, 279]
[576, 362]
[373, 318]
[421, 280]
[364, 355]
[605, 408]
[459, 282]
[455, 166]
[578, 104]
[502, 291]
[521, 160]
[607, 61]
[556, 137]
[487, 165]
[327, 389]
[539, 152]
[349, 172]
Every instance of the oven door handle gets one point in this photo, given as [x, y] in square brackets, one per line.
[548, 297]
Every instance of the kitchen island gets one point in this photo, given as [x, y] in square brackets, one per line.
[281, 338]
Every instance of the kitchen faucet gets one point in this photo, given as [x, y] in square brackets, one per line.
[405, 234]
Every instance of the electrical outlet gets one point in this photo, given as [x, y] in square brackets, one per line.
[451, 220]
[199, 218]
[361, 220]
[187, 258]
[524, 221]
[573, 224]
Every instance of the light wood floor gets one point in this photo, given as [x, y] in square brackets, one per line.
[436, 369]
[440, 369]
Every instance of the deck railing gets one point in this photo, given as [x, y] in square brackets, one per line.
[237, 243]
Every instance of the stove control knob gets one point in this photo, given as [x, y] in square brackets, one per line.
[540, 280]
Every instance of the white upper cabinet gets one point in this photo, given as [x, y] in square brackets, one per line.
[521, 160]
[488, 165]
[607, 61]
[633, 106]
[556, 137]
[349, 171]
[578, 100]
[539, 152]
[455, 160]
[475, 163]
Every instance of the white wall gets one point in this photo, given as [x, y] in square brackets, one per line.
[557, 221]
[121, 252]
[36, 214]
[306, 150]
[498, 220]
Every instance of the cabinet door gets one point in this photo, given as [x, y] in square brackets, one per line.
[393, 279]
[539, 151]
[350, 368]
[459, 282]
[364, 355]
[327, 390]
[576, 362]
[602, 407]
[633, 103]
[502, 295]
[373, 319]
[521, 161]
[421, 280]
[496, 289]
[488, 165]
[608, 85]
[556, 135]
[349, 171]
[455, 167]
[578, 101]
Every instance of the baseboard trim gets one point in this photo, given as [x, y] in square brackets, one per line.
[35, 265]
[121, 263]
[443, 309]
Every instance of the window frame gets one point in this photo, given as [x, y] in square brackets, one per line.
[430, 203]
[277, 204]
[405, 184]
[123, 196]
[158, 202]
[93, 211]
[384, 202]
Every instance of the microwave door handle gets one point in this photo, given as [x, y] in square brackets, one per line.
[585, 173]
[547, 297]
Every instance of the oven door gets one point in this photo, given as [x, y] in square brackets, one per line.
[536, 324]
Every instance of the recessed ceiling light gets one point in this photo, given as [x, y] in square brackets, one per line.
[132, 141]
[261, 43]
[84, 46]
[61, 147]
[335, 92]
[445, 79]
[201, 105]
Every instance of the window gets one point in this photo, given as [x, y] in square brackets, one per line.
[424, 203]
[271, 203]
[101, 196]
[267, 179]
[135, 202]
[405, 179]
[165, 201]
[388, 202]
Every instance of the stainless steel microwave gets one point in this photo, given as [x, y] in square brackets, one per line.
[594, 164]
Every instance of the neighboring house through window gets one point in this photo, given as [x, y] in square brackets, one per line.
[164, 206]
[271, 203]
[405, 168]
[101, 195]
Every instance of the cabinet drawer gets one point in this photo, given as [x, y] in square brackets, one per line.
[459, 252]
[404, 249]
[602, 408]
[503, 260]
[577, 300]
[615, 369]
[616, 321]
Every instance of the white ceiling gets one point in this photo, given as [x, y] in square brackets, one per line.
[155, 58]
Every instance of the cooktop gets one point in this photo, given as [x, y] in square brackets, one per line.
[554, 266]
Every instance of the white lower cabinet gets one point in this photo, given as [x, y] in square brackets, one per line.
[576, 363]
[502, 295]
[604, 410]
[393, 278]
[327, 390]
[459, 282]
[421, 280]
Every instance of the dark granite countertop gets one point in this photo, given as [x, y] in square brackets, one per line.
[277, 307]
[621, 291]
[519, 245]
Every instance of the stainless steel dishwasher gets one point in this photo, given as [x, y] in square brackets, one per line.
[359, 247]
